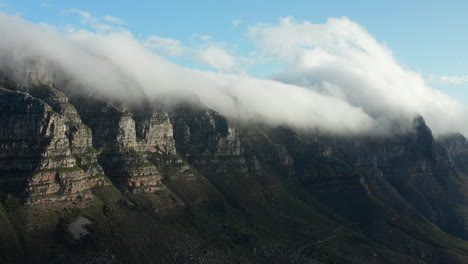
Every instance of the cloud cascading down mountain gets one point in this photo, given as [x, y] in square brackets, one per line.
[338, 77]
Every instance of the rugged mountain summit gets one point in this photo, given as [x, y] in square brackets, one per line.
[193, 185]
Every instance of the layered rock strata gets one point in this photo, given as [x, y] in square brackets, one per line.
[45, 155]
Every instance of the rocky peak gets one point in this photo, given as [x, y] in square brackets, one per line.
[52, 161]
[423, 136]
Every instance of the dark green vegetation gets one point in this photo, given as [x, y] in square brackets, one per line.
[83, 180]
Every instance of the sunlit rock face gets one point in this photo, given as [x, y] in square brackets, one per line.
[124, 140]
[46, 153]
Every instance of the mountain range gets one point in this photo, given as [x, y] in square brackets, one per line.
[87, 179]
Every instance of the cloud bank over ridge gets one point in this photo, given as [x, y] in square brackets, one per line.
[337, 76]
[341, 59]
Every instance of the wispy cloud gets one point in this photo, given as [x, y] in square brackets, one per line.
[115, 20]
[202, 37]
[165, 46]
[88, 19]
[337, 77]
[455, 80]
[211, 54]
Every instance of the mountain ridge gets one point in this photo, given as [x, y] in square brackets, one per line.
[219, 190]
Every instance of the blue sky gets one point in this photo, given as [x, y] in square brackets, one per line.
[428, 37]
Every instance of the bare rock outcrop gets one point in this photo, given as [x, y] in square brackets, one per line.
[45, 155]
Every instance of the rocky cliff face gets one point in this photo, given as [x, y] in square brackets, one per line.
[260, 189]
[46, 155]
[361, 178]
[123, 157]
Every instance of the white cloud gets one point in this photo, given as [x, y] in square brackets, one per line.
[342, 55]
[219, 59]
[455, 80]
[115, 20]
[165, 46]
[128, 71]
[211, 54]
[86, 17]
[339, 78]
[202, 37]
[68, 28]
[95, 23]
